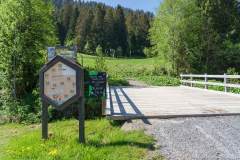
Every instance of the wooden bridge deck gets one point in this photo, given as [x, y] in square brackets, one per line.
[167, 102]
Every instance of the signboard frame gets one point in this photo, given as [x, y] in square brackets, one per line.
[89, 82]
[79, 82]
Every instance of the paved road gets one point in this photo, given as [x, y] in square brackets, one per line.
[208, 138]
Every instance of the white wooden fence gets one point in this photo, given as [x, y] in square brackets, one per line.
[188, 79]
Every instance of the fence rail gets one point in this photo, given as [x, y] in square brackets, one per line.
[206, 82]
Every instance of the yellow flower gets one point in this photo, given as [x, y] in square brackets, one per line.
[53, 152]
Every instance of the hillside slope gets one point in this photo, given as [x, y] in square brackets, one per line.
[120, 70]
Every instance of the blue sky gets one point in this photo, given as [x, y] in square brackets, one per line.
[146, 5]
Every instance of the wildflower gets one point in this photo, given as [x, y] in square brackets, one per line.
[53, 152]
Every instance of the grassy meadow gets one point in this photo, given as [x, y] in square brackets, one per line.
[148, 70]
[104, 140]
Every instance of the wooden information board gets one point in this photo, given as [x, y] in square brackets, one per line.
[62, 84]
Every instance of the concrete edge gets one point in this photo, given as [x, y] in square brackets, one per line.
[131, 117]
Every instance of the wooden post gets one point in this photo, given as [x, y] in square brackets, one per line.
[206, 80]
[81, 121]
[225, 82]
[44, 120]
[103, 107]
[82, 60]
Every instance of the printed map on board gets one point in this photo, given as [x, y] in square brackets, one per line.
[60, 83]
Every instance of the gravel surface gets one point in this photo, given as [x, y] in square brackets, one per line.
[135, 83]
[208, 138]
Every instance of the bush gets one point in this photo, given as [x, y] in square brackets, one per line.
[160, 80]
[100, 64]
[148, 52]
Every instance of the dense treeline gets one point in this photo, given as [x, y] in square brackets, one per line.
[197, 36]
[119, 31]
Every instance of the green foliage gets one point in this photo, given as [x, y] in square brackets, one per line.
[148, 52]
[121, 69]
[160, 80]
[88, 48]
[197, 36]
[100, 64]
[103, 141]
[26, 29]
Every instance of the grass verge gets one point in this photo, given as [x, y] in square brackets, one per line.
[103, 141]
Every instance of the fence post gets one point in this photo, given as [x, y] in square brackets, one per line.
[191, 78]
[181, 78]
[206, 80]
[225, 82]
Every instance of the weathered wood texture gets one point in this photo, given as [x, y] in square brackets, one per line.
[167, 102]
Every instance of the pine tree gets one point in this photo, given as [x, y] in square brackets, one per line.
[72, 25]
[83, 29]
[121, 31]
[97, 32]
[109, 38]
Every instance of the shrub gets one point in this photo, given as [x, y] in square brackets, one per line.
[100, 64]
[148, 52]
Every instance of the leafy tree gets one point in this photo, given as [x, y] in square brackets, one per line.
[26, 29]
[192, 36]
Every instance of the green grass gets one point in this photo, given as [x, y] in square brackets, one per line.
[218, 88]
[103, 141]
[122, 69]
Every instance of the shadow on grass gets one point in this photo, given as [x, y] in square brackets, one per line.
[97, 144]
[118, 123]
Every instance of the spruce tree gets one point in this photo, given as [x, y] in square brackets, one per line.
[121, 31]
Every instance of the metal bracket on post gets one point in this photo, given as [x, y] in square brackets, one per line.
[225, 82]
[206, 81]
[44, 120]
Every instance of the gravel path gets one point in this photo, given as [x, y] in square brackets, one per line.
[208, 138]
[135, 83]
